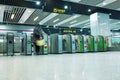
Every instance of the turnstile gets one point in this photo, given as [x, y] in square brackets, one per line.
[98, 43]
[79, 43]
[29, 44]
[45, 47]
[85, 41]
[10, 44]
[55, 43]
[68, 43]
[105, 43]
[26, 44]
[90, 43]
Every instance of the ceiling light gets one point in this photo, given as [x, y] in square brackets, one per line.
[37, 2]
[89, 10]
[12, 16]
[73, 22]
[66, 7]
[56, 20]
[54, 14]
[36, 18]
[110, 13]
[104, 3]
[29, 11]
[81, 30]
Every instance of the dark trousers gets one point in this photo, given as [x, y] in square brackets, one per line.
[39, 50]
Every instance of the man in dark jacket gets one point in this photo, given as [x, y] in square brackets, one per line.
[38, 35]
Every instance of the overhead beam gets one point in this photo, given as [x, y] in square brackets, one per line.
[73, 8]
[23, 3]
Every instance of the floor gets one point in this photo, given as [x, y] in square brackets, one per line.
[88, 66]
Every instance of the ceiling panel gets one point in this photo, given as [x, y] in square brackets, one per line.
[13, 14]
[79, 19]
[115, 5]
[91, 2]
[57, 19]
[37, 13]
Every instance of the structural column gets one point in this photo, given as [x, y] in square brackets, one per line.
[100, 25]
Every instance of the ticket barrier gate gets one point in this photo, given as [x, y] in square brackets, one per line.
[99, 43]
[45, 47]
[55, 43]
[105, 43]
[10, 44]
[85, 41]
[68, 43]
[79, 43]
[26, 45]
[90, 43]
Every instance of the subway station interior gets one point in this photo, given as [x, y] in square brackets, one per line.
[59, 39]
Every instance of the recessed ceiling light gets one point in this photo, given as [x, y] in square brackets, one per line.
[36, 18]
[12, 16]
[56, 20]
[66, 7]
[37, 2]
[110, 13]
[89, 10]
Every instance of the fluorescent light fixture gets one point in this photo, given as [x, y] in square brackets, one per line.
[28, 12]
[80, 23]
[67, 20]
[12, 16]
[75, 0]
[52, 15]
[66, 7]
[104, 3]
[73, 22]
[37, 2]
[56, 20]
[36, 18]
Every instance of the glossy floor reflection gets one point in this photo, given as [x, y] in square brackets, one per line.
[88, 66]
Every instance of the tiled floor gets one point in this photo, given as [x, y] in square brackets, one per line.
[95, 66]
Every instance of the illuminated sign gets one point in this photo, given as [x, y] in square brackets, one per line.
[69, 31]
[56, 10]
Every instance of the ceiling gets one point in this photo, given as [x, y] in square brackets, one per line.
[22, 15]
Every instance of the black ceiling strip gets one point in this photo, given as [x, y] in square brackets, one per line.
[76, 8]
[23, 3]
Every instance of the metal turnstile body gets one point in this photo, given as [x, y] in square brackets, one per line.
[90, 41]
[10, 44]
[85, 43]
[79, 43]
[73, 43]
[98, 43]
[105, 43]
[45, 44]
[55, 43]
[95, 44]
[23, 44]
[69, 43]
[29, 44]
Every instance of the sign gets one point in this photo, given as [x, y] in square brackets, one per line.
[56, 10]
[68, 31]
